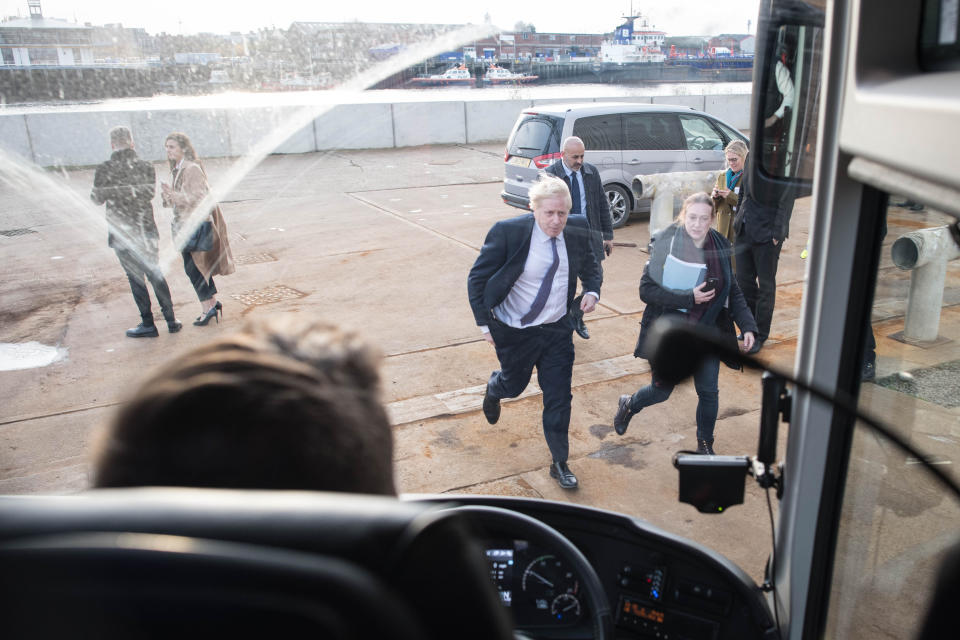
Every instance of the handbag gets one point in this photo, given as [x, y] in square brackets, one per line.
[202, 238]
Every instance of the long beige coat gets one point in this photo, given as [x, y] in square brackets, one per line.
[726, 208]
[189, 188]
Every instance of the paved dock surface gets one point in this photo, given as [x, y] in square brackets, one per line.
[381, 242]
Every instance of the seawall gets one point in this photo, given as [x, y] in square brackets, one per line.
[77, 135]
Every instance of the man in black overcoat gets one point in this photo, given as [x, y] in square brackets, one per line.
[126, 184]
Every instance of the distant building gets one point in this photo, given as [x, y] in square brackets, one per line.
[45, 41]
[737, 43]
[196, 58]
[532, 45]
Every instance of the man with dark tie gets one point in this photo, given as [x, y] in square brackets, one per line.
[588, 201]
[521, 288]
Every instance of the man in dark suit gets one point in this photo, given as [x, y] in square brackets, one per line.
[588, 201]
[521, 289]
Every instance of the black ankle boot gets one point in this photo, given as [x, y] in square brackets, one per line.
[705, 447]
[143, 330]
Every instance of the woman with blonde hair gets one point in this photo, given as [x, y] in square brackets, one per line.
[205, 248]
[727, 190]
[689, 275]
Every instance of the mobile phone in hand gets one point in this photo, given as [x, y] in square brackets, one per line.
[711, 284]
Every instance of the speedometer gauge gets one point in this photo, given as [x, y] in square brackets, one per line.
[552, 588]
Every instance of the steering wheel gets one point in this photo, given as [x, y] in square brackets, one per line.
[699, 142]
[520, 525]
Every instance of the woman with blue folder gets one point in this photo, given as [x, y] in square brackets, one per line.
[689, 274]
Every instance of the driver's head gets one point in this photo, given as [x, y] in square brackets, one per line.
[286, 403]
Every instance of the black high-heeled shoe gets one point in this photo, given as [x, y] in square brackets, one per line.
[204, 319]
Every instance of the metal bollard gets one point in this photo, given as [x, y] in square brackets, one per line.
[660, 189]
[925, 252]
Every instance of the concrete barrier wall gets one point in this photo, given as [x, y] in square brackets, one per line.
[79, 138]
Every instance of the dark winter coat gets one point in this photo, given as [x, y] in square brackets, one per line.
[662, 301]
[126, 184]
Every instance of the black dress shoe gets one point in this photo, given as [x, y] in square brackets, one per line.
[869, 372]
[174, 325]
[564, 477]
[491, 406]
[622, 419]
[143, 331]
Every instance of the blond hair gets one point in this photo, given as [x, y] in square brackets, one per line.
[549, 186]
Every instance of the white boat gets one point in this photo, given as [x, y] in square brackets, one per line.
[458, 75]
[634, 43]
[498, 75]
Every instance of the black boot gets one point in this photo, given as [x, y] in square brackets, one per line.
[623, 415]
[705, 447]
[173, 325]
[143, 330]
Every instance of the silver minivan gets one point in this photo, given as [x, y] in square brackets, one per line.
[622, 140]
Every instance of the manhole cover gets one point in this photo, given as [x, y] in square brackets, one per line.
[937, 384]
[10, 233]
[254, 258]
[268, 295]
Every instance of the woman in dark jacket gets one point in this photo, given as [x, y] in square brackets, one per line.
[716, 300]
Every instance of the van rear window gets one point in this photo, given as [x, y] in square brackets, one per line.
[536, 135]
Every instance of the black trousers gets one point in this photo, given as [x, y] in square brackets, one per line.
[205, 290]
[757, 276]
[549, 348]
[138, 272]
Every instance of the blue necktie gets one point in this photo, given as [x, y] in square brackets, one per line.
[544, 292]
[575, 194]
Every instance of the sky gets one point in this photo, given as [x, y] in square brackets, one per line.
[676, 17]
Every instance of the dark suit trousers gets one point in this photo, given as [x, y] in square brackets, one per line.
[137, 271]
[757, 276]
[549, 348]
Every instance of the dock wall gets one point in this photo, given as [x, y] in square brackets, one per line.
[79, 137]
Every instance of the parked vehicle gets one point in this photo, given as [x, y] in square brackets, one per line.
[622, 140]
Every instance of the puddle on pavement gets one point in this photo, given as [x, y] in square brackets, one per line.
[28, 355]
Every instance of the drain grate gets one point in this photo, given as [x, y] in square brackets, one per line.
[937, 384]
[254, 258]
[11, 233]
[268, 295]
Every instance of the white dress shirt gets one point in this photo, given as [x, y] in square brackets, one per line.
[524, 291]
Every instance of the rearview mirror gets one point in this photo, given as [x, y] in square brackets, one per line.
[787, 81]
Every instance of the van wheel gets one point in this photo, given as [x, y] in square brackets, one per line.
[620, 204]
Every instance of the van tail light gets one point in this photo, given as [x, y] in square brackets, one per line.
[506, 155]
[544, 161]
